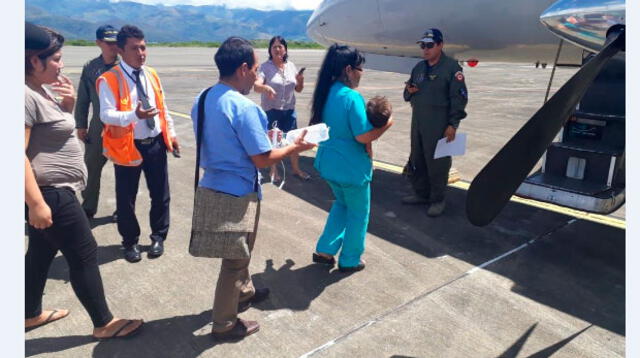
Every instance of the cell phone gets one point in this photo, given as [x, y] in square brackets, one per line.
[301, 70]
[176, 153]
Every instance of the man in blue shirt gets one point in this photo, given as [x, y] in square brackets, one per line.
[234, 146]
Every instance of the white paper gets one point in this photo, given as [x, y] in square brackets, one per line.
[455, 147]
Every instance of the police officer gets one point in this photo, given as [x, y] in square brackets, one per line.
[438, 96]
[87, 95]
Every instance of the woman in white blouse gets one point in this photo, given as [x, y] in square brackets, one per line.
[277, 80]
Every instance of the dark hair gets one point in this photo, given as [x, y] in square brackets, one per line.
[57, 40]
[128, 31]
[379, 111]
[233, 52]
[283, 42]
[338, 57]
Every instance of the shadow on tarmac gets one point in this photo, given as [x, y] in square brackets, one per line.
[188, 336]
[169, 337]
[294, 289]
[575, 266]
[59, 269]
[515, 349]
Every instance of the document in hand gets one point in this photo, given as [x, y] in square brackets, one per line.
[455, 147]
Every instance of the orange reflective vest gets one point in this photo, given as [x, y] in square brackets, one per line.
[117, 142]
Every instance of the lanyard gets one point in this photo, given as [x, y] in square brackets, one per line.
[144, 89]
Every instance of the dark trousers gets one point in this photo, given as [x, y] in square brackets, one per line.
[154, 166]
[428, 176]
[71, 234]
[95, 161]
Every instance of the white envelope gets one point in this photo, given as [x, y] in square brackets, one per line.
[455, 147]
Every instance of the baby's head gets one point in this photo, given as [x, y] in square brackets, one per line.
[378, 111]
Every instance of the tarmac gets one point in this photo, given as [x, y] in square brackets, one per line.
[539, 281]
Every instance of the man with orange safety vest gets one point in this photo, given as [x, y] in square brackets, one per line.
[138, 132]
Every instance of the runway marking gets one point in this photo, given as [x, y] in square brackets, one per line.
[427, 293]
[179, 114]
[596, 218]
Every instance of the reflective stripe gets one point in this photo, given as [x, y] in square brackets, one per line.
[118, 142]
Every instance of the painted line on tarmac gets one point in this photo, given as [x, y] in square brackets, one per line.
[600, 219]
[178, 114]
[596, 218]
[401, 307]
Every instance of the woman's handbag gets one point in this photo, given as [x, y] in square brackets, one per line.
[222, 223]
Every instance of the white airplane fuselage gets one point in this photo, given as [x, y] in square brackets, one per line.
[486, 30]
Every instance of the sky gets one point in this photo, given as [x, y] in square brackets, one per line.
[255, 4]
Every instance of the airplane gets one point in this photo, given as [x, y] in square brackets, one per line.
[585, 168]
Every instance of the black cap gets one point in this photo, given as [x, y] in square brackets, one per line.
[431, 35]
[106, 33]
[35, 37]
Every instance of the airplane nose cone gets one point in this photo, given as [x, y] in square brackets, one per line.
[584, 23]
[317, 28]
[314, 30]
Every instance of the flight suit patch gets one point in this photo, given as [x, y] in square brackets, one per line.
[459, 76]
[433, 77]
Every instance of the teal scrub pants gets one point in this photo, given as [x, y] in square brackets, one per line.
[347, 223]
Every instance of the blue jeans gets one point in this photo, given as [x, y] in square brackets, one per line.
[287, 119]
[347, 223]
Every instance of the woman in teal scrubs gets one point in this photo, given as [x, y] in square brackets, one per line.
[344, 160]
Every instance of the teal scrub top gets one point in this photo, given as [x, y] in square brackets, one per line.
[341, 158]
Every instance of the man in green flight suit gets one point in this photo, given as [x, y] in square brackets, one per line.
[88, 96]
[438, 96]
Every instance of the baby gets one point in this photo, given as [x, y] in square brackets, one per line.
[378, 111]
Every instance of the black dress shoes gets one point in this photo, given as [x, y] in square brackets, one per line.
[260, 295]
[132, 253]
[239, 331]
[156, 249]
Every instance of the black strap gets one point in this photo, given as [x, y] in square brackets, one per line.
[199, 128]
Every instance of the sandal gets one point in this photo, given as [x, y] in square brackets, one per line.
[117, 334]
[50, 318]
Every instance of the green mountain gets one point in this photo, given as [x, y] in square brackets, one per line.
[78, 19]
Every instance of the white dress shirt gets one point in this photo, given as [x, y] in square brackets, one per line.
[110, 115]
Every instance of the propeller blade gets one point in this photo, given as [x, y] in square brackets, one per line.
[491, 189]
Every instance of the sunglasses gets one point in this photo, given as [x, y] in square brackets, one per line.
[424, 45]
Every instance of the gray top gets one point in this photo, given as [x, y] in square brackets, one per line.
[54, 150]
[283, 81]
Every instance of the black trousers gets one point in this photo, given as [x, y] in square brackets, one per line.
[71, 234]
[154, 166]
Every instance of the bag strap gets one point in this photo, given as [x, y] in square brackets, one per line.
[199, 130]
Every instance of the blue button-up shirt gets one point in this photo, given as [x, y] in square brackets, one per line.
[235, 128]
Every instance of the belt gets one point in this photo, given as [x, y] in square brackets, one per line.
[148, 140]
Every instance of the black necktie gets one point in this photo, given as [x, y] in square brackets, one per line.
[142, 95]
